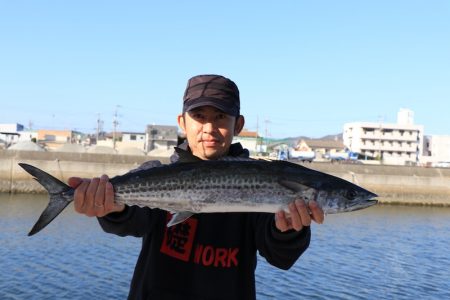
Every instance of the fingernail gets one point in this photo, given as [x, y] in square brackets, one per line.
[300, 202]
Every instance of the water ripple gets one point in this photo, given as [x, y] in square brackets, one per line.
[379, 253]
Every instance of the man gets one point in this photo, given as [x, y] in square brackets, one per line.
[208, 256]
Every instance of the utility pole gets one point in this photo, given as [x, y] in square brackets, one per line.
[257, 134]
[266, 132]
[115, 123]
[99, 127]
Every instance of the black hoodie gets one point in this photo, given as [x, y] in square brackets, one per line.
[208, 256]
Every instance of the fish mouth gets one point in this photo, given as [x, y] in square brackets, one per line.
[364, 204]
[370, 198]
[370, 202]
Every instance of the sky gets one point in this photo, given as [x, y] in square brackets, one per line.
[304, 68]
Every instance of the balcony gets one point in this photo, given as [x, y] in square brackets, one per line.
[393, 148]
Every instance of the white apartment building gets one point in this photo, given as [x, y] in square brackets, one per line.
[10, 134]
[396, 143]
[437, 149]
[14, 132]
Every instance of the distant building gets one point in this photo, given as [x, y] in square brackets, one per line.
[248, 139]
[11, 127]
[10, 134]
[133, 137]
[133, 140]
[110, 139]
[26, 136]
[436, 150]
[53, 139]
[161, 137]
[321, 146]
[398, 144]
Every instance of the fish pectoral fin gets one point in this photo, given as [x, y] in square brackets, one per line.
[179, 218]
[294, 186]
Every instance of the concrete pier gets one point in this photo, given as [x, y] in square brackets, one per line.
[393, 184]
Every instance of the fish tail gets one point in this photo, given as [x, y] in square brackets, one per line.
[60, 196]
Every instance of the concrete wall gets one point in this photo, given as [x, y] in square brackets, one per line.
[394, 184]
[61, 165]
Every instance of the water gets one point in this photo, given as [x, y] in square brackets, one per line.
[385, 252]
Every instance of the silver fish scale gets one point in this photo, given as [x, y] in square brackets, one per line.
[214, 191]
[219, 186]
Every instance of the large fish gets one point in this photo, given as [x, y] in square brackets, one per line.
[231, 185]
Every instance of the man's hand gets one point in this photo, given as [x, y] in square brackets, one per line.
[300, 215]
[94, 197]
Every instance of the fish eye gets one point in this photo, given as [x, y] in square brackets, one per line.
[351, 194]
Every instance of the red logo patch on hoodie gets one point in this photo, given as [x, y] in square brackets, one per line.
[178, 239]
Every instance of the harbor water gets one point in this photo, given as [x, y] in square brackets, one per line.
[384, 252]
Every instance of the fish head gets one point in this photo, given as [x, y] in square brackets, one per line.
[332, 193]
[347, 199]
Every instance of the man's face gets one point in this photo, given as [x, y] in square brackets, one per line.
[209, 131]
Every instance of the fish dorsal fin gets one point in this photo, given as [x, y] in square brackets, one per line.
[179, 218]
[146, 166]
[294, 186]
[186, 156]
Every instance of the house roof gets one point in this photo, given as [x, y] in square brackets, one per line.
[247, 133]
[110, 135]
[132, 132]
[320, 143]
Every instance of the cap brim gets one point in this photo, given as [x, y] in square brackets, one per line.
[214, 102]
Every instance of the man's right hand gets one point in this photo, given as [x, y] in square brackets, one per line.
[94, 197]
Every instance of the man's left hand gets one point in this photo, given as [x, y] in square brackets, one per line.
[300, 215]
